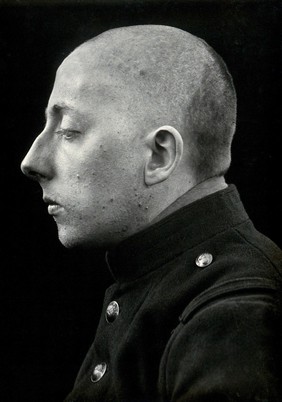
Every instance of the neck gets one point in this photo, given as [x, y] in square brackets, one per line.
[195, 193]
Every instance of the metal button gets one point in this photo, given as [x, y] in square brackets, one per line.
[112, 311]
[98, 372]
[203, 260]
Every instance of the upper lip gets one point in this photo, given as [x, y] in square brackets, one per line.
[50, 201]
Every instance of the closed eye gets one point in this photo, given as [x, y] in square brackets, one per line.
[68, 134]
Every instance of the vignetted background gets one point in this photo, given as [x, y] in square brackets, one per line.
[51, 297]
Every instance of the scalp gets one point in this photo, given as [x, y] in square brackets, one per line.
[172, 78]
[163, 64]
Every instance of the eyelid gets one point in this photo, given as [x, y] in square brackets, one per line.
[65, 131]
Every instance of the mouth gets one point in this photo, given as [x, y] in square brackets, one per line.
[53, 207]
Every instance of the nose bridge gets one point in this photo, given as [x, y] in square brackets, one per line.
[37, 164]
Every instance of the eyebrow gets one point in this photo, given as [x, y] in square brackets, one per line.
[56, 109]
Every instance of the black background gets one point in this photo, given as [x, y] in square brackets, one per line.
[51, 297]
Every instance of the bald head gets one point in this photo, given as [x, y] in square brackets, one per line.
[174, 78]
[137, 117]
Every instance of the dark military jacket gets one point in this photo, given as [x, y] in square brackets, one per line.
[193, 314]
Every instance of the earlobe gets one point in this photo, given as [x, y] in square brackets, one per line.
[166, 149]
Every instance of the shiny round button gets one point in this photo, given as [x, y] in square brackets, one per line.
[98, 372]
[112, 311]
[203, 260]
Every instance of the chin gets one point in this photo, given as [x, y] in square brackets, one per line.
[72, 239]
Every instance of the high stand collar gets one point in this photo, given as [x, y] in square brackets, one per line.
[189, 226]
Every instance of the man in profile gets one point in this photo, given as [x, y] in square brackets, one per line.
[137, 141]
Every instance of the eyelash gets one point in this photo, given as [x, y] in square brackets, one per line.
[67, 134]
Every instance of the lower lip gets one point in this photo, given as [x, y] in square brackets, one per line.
[54, 209]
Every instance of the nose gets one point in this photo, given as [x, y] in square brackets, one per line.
[37, 163]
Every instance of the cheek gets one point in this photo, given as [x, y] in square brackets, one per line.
[80, 167]
[100, 168]
[103, 171]
[90, 184]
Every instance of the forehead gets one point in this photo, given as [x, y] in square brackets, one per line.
[78, 80]
[99, 82]
[111, 65]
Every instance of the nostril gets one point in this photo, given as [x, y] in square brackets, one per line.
[34, 175]
[30, 173]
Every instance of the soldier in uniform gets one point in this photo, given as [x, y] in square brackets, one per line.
[137, 141]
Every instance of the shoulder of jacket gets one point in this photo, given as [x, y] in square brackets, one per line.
[239, 288]
[233, 322]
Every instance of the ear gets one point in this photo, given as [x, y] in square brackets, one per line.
[166, 149]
